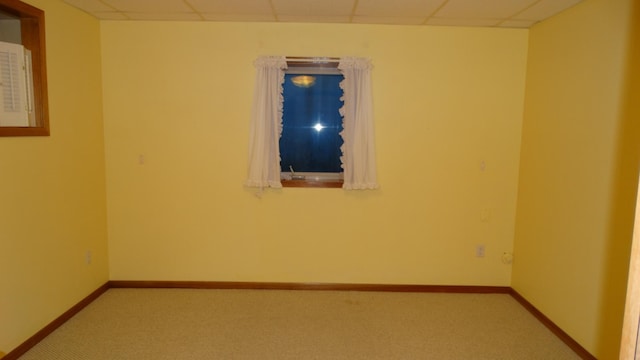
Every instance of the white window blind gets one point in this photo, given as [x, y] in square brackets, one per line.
[14, 100]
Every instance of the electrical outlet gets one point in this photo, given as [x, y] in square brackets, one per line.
[507, 258]
[88, 257]
[480, 250]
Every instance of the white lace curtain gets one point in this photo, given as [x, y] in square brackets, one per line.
[266, 123]
[358, 151]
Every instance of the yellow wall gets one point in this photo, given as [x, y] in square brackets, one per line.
[179, 94]
[52, 189]
[578, 173]
[177, 98]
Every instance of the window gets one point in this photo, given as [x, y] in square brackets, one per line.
[357, 150]
[310, 143]
[23, 79]
[16, 86]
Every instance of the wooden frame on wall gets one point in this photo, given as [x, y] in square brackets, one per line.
[32, 29]
[629, 345]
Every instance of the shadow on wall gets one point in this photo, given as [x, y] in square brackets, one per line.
[623, 201]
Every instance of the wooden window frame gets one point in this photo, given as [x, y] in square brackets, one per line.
[335, 184]
[33, 38]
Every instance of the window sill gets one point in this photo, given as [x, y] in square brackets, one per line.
[312, 183]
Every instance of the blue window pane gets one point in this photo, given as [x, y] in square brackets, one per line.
[312, 123]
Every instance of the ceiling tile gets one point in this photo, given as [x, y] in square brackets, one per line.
[90, 5]
[314, 7]
[397, 8]
[163, 16]
[485, 9]
[232, 6]
[313, 19]
[463, 22]
[388, 20]
[149, 6]
[110, 15]
[502, 13]
[239, 17]
[545, 9]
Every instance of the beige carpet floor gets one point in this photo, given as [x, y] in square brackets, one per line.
[264, 324]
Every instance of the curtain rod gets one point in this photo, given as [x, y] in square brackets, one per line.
[318, 60]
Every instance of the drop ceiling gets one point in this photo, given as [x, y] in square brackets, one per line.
[484, 13]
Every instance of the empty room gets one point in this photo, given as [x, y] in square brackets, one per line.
[504, 163]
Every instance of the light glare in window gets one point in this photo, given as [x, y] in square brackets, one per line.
[303, 81]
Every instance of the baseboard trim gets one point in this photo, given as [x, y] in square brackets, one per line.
[555, 329]
[227, 285]
[224, 285]
[56, 323]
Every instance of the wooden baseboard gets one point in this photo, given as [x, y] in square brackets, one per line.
[52, 326]
[221, 285]
[309, 286]
[555, 329]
